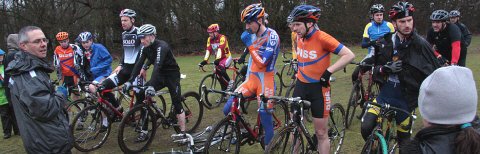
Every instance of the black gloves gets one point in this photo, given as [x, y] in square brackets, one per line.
[325, 79]
[203, 63]
[216, 62]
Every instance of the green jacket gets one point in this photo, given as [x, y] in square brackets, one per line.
[3, 99]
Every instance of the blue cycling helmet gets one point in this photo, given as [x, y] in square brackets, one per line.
[2, 52]
[85, 36]
[304, 13]
[252, 13]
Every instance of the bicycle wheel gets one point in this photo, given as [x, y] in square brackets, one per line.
[278, 84]
[88, 130]
[211, 100]
[286, 140]
[336, 127]
[374, 144]
[193, 111]
[141, 119]
[76, 106]
[224, 138]
[287, 75]
[281, 115]
[353, 102]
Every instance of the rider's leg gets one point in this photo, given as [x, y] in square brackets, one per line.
[321, 131]
[173, 84]
[244, 89]
[320, 109]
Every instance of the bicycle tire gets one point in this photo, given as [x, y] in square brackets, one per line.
[353, 102]
[131, 126]
[94, 126]
[336, 127]
[225, 130]
[210, 100]
[286, 75]
[76, 106]
[391, 137]
[191, 106]
[278, 84]
[374, 144]
[281, 141]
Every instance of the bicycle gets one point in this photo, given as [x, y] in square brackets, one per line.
[88, 128]
[290, 139]
[380, 141]
[360, 94]
[235, 130]
[147, 117]
[287, 73]
[193, 142]
[214, 81]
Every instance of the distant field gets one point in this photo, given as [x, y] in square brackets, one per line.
[188, 64]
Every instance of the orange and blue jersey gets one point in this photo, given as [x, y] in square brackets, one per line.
[64, 59]
[217, 46]
[313, 54]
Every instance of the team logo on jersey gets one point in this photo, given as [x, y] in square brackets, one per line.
[159, 50]
[273, 40]
[129, 40]
[307, 54]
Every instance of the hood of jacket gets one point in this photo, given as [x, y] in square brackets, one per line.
[25, 62]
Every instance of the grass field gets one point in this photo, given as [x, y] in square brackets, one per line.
[341, 89]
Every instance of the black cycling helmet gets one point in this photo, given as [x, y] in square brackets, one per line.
[454, 13]
[401, 10]
[439, 15]
[304, 13]
[377, 8]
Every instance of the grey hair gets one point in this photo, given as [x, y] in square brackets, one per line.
[22, 34]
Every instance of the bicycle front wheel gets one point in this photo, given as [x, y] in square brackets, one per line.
[224, 138]
[193, 111]
[137, 129]
[353, 102]
[76, 106]
[210, 99]
[286, 140]
[375, 144]
[336, 127]
[90, 128]
[287, 75]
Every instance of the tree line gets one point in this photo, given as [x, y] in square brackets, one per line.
[183, 23]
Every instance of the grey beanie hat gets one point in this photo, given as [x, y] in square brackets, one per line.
[12, 41]
[448, 96]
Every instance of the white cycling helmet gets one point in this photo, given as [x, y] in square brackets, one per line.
[85, 36]
[128, 13]
[147, 29]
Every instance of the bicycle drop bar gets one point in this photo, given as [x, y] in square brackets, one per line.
[289, 100]
[389, 107]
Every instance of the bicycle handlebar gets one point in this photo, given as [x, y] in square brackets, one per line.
[231, 93]
[389, 107]
[289, 100]
[362, 64]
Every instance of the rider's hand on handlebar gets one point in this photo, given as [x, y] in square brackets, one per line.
[126, 87]
[216, 62]
[203, 63]
[150, 91]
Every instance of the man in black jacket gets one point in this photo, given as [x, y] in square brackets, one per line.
[466, 36]
[403, 63]
[166, 72]
[39, 110]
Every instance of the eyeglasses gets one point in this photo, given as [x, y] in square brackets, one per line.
[38, 41]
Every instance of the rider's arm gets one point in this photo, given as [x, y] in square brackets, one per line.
[104, 62]
[346, 56]
[154, 79]
[139, 64]
[294, 45]
[208, 50]
[264, 56]
[455, 36]
[467, 35]
[366, 36]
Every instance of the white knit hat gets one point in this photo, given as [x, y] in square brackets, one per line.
[448, 96]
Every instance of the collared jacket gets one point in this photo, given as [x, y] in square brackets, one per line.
[418, 62]
[40, 111]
